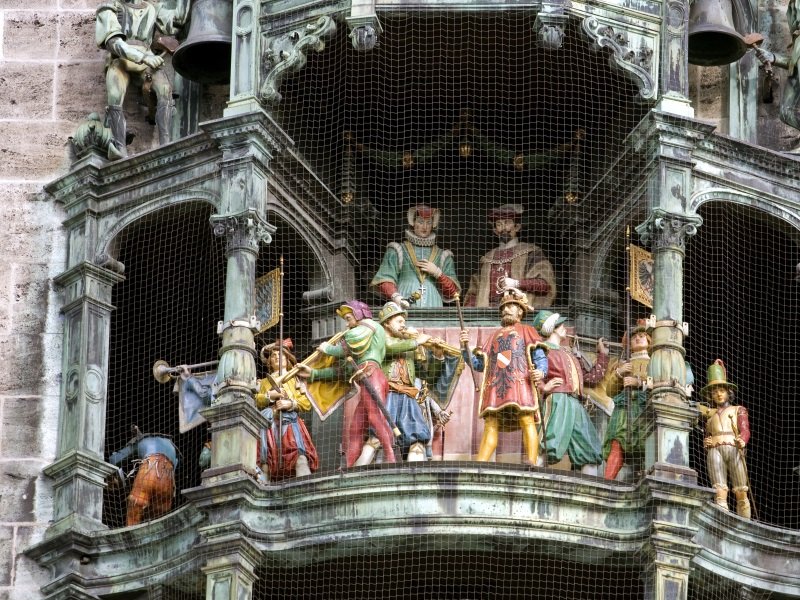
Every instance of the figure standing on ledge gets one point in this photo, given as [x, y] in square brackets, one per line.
[512, 366]
[569, 429]
[727, 434]
[790, 101]
[410, 367]
[513, 264]
[298, 453]
[417, 271]
[364, 347]
[127, 30]
[623, 438]
[154, 486]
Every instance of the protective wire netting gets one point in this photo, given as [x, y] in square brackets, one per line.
[463, 113]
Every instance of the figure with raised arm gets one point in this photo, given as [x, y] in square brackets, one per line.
[155, 460]
[512, 366]
[298, 453]
[128, 30]
[727, 435]
[415, 364]
[569, 428]
[360, 353]
[512, 264]
[416, 271]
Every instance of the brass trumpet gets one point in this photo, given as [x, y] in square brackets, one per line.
[162, 372]
[448, 349]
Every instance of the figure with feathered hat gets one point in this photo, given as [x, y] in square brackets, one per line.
[512, 366]
[298, 455]
[727, 435]
[417, 271]
[360, 352]
[512, 264]
[569, 430]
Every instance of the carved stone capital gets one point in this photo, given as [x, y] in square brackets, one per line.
[244, 231]
[631, 52]
[287, 54]
[668, 230]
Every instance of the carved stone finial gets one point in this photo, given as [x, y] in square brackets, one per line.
[91, 135]
[287, 54]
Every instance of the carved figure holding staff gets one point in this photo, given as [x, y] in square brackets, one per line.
[727, 435]
[417, 271]
[509, 399]
[628, 377]
[298, 456]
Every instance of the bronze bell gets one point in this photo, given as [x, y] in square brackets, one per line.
[205, 54]
[712, 39]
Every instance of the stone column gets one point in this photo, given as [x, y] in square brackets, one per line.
[230, 573]
[79, 472]
[669, 419]
[248, 143]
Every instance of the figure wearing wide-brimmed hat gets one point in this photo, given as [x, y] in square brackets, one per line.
[727, 435]
[417, 272]
[513, 264]
[298, 453]
[512, 365]
[569, 429]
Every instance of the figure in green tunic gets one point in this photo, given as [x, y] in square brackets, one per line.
[417, 272]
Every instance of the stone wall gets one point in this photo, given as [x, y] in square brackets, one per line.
[50, 77]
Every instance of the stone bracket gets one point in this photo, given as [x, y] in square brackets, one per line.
[630, 51]
[550, 23]
[287, 54]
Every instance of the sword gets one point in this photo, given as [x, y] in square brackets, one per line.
[360, 377]
[735, 428]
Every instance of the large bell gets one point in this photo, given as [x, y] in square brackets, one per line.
[205, 54]
[712, 39]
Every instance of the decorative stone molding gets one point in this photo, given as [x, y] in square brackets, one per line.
[668, 230]
[244, 231]
[631, 52]
[287, 54]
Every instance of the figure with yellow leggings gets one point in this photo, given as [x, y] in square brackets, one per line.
[512, 366]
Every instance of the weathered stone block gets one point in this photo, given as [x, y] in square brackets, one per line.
[76, 36]
[21, 425]
[6, 553]
[34, 150]
[29, 34]
[27, 4]
[79, 4]
[26, 571]
[18, 482]
[21, 357]
[31, 287]
[80, 90]
[26, 90]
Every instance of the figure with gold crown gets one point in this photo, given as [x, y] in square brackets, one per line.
[512, 366]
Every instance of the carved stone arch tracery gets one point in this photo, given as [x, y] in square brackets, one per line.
[771, 206]
[106, 244]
